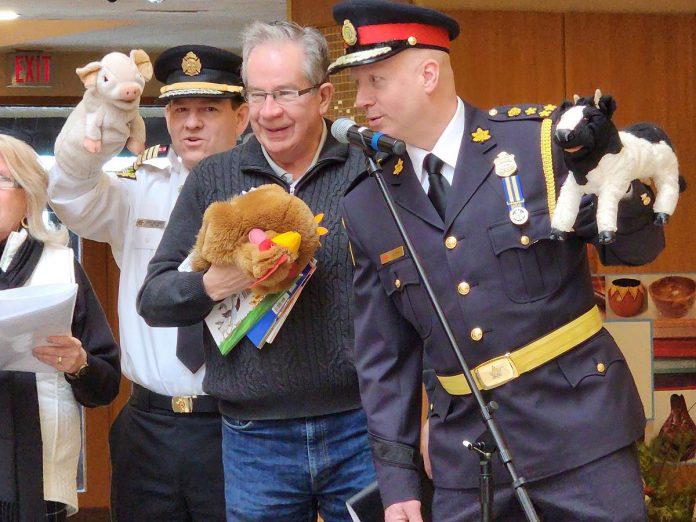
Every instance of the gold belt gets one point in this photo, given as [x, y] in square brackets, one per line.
[503, 369]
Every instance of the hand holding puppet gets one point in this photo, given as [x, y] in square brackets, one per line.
[269, 234]
[107, 118]
[603, 160]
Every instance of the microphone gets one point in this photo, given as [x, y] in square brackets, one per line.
[346, 130]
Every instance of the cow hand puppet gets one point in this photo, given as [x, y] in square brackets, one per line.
[107, 118]
[604, 161]
[267, 233]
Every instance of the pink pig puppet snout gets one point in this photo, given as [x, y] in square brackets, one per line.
[129, 91]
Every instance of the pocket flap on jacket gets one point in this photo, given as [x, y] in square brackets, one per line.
[594, 357]
[507, 235]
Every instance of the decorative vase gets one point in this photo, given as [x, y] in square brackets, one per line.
[673, 295]
[626, 296]
[678, 433]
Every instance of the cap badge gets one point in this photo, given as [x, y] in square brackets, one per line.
[412, 40]
[398, 167]
[481, 135]
[191, 64]
[350, 35]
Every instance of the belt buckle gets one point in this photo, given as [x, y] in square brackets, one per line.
[182, 404]
[496, 372]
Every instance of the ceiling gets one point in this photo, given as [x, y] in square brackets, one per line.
[103, 25]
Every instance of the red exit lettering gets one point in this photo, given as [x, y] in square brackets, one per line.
[32, 69]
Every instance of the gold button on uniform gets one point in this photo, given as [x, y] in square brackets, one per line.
[397, 283]
[601, 368]
[431, 406]
[463, 288]
[524, 240]
[451, 242]
[477, 334]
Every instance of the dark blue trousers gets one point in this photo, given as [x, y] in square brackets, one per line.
[606, 490]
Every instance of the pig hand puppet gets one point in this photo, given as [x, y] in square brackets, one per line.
[107, 118]
[269, 234]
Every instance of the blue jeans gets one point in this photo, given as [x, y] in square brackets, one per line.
[288, 470]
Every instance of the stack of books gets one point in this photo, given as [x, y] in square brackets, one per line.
[259, 318]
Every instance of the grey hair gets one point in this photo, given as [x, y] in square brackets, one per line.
[312, 42]
[23, 164]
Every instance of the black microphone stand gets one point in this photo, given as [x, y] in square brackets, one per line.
[485, 452]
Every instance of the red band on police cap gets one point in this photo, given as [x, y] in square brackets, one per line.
[424, 34]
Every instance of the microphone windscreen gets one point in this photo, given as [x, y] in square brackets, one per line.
[339, 129]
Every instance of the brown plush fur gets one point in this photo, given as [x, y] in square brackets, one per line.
[223, 237]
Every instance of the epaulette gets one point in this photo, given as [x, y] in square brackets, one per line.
[127, 173]
[156, 151]
[521, 112]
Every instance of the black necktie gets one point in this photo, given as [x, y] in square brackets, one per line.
[189, 346]
[438, 184]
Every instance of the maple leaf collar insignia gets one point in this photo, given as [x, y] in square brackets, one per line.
[398, 167]
[481, 135]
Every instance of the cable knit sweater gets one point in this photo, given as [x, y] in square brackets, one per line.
[308, 369]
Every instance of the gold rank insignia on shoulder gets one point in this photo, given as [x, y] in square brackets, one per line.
[349, 34]
[480, 135]
[398, 167]
[127, 173]
[514, 111]
[191, 64]
[530, 110]
[548, 109]
[391, 255]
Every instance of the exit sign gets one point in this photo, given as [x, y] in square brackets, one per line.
[31, 69]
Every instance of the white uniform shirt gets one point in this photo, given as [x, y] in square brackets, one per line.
[446, 148]
[130, 215]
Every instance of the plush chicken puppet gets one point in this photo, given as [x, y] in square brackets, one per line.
[604, 161]
[269, 234]
[108, 117]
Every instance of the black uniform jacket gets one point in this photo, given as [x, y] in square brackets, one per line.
[519, 285]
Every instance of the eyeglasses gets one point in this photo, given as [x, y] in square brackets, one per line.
[281, 96]
[8, 183]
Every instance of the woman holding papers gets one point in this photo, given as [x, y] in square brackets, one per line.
[40, 416]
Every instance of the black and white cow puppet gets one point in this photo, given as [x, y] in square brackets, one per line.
[603, 160]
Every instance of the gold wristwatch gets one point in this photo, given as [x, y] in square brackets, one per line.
[80, 371]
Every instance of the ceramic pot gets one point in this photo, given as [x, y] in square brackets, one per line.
[626, 297]
[673, 295]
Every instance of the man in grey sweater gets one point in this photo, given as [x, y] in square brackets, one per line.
[294, 434]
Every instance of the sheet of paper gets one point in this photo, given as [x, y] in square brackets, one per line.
[28, 315]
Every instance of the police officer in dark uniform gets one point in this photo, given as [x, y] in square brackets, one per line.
[475, 191]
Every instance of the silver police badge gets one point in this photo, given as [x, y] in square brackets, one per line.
[505, 165]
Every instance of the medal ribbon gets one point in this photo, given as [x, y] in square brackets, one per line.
[513, 192]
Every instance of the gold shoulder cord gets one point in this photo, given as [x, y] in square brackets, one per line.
[547, 164]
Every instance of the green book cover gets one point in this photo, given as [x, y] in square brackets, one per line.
[250, 320]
